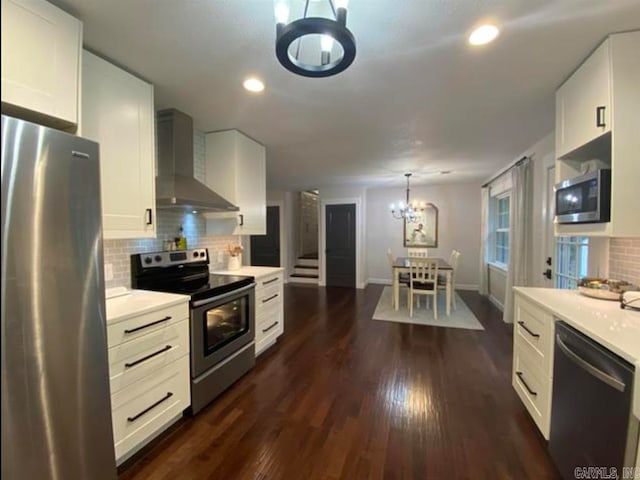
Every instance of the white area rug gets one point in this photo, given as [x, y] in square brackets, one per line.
[462, 317]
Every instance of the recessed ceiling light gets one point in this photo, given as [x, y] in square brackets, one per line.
[445, 172]
[253, 84]
[484, 34]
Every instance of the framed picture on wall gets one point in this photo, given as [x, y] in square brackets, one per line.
[423, 233]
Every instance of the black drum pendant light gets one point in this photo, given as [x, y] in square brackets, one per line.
[330, 30]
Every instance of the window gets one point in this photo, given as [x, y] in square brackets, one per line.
[501, 222]
[572, 256]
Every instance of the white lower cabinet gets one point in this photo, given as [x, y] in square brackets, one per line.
[532, 375]
[147, 407]
[269, 310]
[149, 375]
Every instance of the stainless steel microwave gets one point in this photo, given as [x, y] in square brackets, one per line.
[584, 199]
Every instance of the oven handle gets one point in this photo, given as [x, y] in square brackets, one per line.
[596, 372]
[234, 293]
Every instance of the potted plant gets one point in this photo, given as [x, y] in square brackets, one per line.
[235, 256]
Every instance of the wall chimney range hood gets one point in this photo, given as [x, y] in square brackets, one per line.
[176, 188]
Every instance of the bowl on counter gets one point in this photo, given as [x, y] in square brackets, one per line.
[605, 288]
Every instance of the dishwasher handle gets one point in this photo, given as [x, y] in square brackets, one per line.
[596, 372]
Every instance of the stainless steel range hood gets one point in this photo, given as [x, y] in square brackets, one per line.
[175, 186]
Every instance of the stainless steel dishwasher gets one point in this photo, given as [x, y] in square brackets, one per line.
[592, 424]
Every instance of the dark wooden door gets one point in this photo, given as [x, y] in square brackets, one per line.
[265, 249]
[340, 244]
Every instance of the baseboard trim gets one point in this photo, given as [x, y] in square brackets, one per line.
[496, 303]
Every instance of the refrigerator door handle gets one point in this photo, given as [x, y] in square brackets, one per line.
[75, 153]
[596, 372]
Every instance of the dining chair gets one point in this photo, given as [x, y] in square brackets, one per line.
[403, 277]
[423, 280]
[417, 252]
[454, 260]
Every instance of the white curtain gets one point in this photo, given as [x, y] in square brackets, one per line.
[483, 284]
[519, 218]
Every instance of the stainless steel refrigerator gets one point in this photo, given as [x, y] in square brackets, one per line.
[56, 412]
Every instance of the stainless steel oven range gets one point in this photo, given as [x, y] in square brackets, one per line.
[222, 316]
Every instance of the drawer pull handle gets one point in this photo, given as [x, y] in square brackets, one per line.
[265, 330]
[148, 357]
[142, 327]
[270, 281]
[524, 325]
[270, 298]
[520, 376]
[150, 407]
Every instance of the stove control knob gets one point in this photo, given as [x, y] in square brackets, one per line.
[158, 258]
[196, 254]
[147, 260]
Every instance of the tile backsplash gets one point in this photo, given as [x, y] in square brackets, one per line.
[118, 252]
[624, 259]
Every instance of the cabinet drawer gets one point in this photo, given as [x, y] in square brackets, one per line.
[534, 326]
[146, 407]
[268, 281]
[269, 304]
[131, 361]
[267, 334]
[534, 389]
[137, 327]
[269, 297]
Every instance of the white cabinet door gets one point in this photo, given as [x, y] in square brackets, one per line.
[583, 103]
[118, 113]
[236, 169]
[251, 187]
[41, 47]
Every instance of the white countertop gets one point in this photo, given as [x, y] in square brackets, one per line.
[251, 271]
[603, 321]
[124, 303]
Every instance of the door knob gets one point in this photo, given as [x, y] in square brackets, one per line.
[547, 273]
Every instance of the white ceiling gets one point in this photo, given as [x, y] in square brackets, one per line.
[417, 98]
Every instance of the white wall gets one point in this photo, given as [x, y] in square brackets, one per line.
[345, 194]
[458, 228]
[542, 157]
[497, 286]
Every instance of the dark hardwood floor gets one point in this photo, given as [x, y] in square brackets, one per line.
[342, 396]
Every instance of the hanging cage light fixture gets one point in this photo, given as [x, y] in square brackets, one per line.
[407, 211]
[331, 54]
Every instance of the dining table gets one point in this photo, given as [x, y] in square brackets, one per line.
[401, 265]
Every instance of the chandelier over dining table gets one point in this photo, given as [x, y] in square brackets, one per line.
[407, 211]
[317, 42]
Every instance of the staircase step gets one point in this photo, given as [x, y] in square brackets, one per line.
[304, 275]
[310, 256]
[297, 278]
[309, 267]
[306, 262]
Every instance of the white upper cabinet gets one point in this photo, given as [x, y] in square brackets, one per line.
[583, 103]
[609, 78]
[118, 112]
[236, 169]
[41, 48]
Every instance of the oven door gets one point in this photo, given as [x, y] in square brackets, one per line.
[220, 326]
[585, 199]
